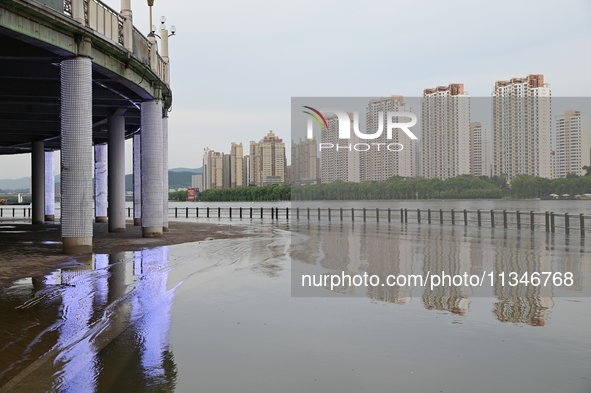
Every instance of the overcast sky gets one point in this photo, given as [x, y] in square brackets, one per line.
[236, 64]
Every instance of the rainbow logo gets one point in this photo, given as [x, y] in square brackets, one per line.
[321, 124]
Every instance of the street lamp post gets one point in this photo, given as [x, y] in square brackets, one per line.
[150, 4]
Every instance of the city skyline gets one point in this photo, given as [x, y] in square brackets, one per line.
[456, 133]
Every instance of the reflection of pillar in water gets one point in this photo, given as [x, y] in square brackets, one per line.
[151, 313]
[117, 286]
[449, 257]
[78, 371]
[521, 303]
[101, 293]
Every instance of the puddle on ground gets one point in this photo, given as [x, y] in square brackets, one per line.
[220, 316]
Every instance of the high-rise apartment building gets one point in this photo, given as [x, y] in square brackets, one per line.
[381, 164]
[213, 164]
[226, 171]
[304, 156]
[223, 170]
[246, 170]
[521, 116]
[480, 150]
[267, 161]
[236, 165]
[572, 143]
[446, 131]
[197, 181]
[341, 162]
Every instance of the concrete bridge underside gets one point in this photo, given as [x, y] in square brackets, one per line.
[76, 77]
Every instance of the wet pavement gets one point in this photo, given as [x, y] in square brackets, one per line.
[222, 316]
[29, 250]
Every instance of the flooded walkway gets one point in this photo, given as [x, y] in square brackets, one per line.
[222, 316]
[30, 250]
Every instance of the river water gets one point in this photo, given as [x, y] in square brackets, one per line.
[232, 315]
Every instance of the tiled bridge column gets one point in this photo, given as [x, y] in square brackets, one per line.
[49, 186]
[137, 180]
[165, 173]
[38, 182]
[77, 158]
[151, 158]
[116, 165]
[100, 182]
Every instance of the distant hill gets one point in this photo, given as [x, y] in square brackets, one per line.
[14, 184]
[176, 179]
[194, 171]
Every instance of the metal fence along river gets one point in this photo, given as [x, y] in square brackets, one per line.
[548, 221]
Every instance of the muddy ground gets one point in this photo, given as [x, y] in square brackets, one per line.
[31, 250]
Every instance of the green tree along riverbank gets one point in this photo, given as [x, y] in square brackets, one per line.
[274, 192]
[461, 187]
[526, 186]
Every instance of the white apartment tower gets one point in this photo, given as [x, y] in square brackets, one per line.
[446, 131]
[303, 161]
[267, 161]
[213, 166]
[521, 116]
[236, 165]
[382, 164]
[341, 162]
[246, 170]
[572, 143]
[480, 150]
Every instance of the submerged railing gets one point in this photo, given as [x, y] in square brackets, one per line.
[548, 221]
[523, 220]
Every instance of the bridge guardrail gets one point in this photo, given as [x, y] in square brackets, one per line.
[109, 23]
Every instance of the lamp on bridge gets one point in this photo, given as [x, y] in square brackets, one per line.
[163, 29]
[164, 36]
[162, 25]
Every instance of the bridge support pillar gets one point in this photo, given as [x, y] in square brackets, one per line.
[76, 152]
[49, 186]
[137, 180]
[38, 182]
[100, 183]
[116, 178]
[165, 173]
[151, 161]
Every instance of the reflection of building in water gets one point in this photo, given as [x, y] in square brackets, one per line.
[477, 255]
[445, 255]
[386, 256]
[340, 252]
[571, 262]
[521, 303]
[355, 250]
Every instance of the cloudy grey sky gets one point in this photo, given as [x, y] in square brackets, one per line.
[236, 64]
